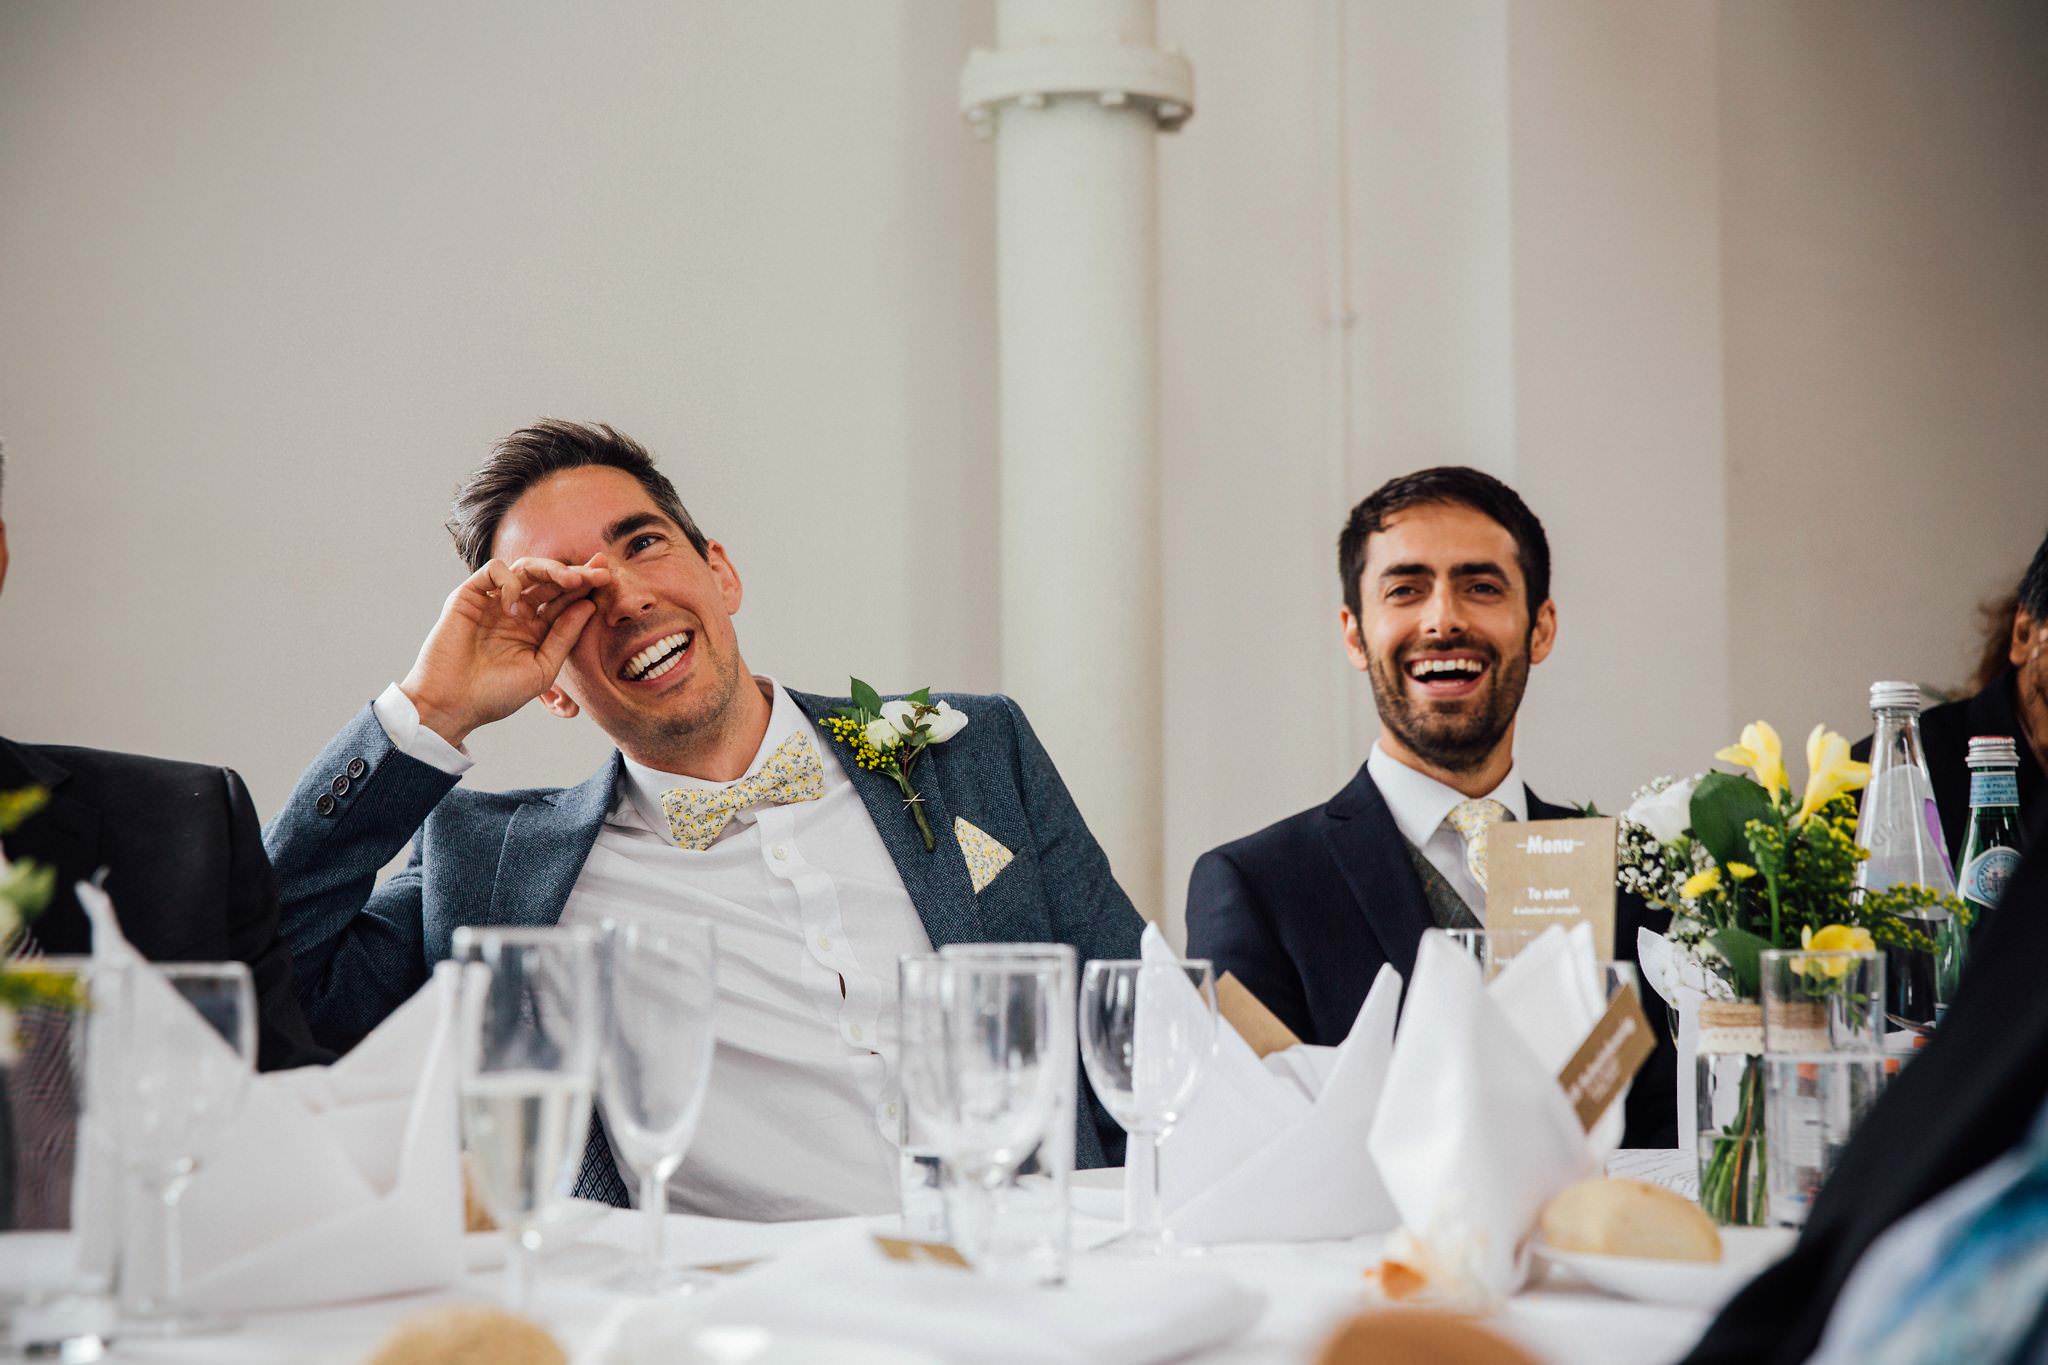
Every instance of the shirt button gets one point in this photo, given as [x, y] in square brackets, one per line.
[892, 1110]
[853, 1032]
[781, 852]
[824, 943]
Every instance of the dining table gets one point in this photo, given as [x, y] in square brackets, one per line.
[1307, 1289]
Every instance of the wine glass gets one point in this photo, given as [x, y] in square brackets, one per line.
[527, 1043]
[188, 1053]
[1148, 1030]
[981, 1063]
[660, 990]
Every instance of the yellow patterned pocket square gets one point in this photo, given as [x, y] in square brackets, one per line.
[985, 857]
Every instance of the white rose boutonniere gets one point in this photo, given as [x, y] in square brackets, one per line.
[891, 736]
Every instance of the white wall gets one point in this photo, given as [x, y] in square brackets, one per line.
[1747, 298]
[273, 278]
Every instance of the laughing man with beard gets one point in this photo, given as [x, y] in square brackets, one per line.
[1446, 580]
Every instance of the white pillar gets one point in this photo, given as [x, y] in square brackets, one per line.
[1075, 98]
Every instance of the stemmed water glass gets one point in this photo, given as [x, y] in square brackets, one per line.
[527, 1043]
[660, 989]
[187, 1035]
[1148, 1030]
[981, 1066]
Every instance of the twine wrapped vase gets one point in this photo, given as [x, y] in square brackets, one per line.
[1731, 1112]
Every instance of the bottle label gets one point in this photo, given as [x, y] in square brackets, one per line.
[1996, 787]
[1985, 876]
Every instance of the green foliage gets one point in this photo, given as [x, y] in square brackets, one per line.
[17, 806]
[1722, 807]
[867, 700]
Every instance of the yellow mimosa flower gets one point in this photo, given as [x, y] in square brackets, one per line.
[1762, 753]
[1832, 938]
[1700, 883]
[1742, 872]
[1829, 771]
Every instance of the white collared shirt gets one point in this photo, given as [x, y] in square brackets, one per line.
[801, 1117]
[1422, 807]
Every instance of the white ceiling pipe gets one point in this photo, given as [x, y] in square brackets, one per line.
[1075, 99]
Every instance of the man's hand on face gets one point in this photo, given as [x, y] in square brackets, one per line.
[502, 637]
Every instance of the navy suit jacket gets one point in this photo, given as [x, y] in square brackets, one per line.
[1305, 912]
[361, 948]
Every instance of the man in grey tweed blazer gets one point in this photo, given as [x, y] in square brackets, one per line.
[593, 591]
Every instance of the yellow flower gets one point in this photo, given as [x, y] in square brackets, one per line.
[1761, 753]
[1742, 872]
[1700, 883]
[1829, 771]
[1832, 938]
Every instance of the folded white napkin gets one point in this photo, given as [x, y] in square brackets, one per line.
[335, 1183]
[841, 1286]
[1269, 1149]
[1474, 1134]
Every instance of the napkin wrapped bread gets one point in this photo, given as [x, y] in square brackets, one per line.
[469, 1336]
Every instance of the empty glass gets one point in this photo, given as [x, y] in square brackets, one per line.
[981, 1064]
[59, 1171]
[188, 1053]
[1148, 1030]
[1824, 1066]
[527, 1044]
[660, 989]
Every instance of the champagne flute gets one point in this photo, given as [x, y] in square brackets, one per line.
[981, 1063]
[1148, 1030]
[527, 1042]
[660, 989]
[188, 1053]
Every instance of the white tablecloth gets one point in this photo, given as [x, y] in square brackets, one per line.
[1309, 1288]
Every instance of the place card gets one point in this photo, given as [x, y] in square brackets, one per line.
[1545, 872]
[921, 1253]
[1611, 1055]
[1257, 1025]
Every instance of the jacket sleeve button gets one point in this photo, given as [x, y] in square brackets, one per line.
[341, 785]
[356, 768]
[325, 805]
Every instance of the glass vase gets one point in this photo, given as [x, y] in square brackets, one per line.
[1731, 1113]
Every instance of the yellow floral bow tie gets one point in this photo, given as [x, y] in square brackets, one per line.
[697, 815]
[1472, 819]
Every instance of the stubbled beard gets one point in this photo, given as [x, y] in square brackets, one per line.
[1457, 741]
[666, 735]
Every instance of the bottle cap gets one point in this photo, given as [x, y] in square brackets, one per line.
[1895, 696]
[1993, 751]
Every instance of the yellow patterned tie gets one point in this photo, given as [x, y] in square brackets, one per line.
[697, 815]
[1472, 819]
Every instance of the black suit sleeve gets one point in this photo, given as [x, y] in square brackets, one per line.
[251, 931]
[1229, 925]
[1651, 1109]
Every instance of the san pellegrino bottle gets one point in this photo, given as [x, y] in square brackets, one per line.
[1901, 828]
[1991, 850]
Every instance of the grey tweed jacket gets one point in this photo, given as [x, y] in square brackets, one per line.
[360, 948]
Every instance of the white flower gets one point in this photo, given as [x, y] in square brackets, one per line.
[1666, 814]
[944, 722]
[901, 714]
[883, 734]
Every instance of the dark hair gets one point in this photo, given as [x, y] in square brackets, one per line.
[531, 454]
[1446, 484]
[2033, 588]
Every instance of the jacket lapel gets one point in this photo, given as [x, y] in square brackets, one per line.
[66, 832]
[936, 880]
[546, 843]
[1366, 844]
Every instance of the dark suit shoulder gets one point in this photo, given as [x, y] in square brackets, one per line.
[104, 766]
[1284, 842]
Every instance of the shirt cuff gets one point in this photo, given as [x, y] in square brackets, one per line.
[401, 722]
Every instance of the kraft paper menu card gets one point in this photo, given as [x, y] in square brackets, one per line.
[1545, 872]
[1256, 1024]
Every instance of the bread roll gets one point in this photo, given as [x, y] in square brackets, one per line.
[1630, 1218]
[469, 1336]
[1418, 1337]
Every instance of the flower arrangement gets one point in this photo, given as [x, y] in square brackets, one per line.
[1745, 866]
[890, 736]
[25, 889]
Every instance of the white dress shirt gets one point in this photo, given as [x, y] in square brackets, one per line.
[811, 916]
[1422, 807]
